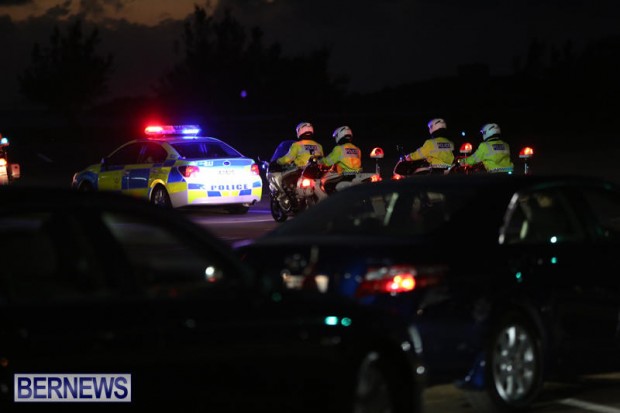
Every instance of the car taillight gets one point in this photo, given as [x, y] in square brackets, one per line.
[397, 177]
[188, 170]
[255, 169]
[375, 178]
[395, 279]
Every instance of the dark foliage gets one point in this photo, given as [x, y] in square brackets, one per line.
[68, 76]
[225, 71]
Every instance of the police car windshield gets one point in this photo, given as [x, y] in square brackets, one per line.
[205, 150]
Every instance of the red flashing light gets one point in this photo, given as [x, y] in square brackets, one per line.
[375, 178]
[255, 169]
[188, 170]
[526, 152]
[153, 130]
[466, 148]
[376, 153]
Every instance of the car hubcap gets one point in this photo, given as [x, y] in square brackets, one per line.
[514, 363]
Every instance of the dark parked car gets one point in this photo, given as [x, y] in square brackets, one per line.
[511, 280]
[100, 283]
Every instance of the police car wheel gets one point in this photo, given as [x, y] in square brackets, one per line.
[86, 187]
[160, 197]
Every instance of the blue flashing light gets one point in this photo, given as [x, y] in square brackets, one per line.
[553, 239]
[463, 133]
[244, 94]
[4, 141]
[346, 321]
[554, 260]
[519, 276]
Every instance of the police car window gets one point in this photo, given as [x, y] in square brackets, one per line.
[125, 155]
[152, 153]
[48, 257]
[205, 150]
[165, 260]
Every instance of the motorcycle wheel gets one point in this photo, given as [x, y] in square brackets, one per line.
[278, 214]
[311, 201]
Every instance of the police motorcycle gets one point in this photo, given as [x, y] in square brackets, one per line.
[290, 199]
[308, 190]
[405, 168]
[8, 171]
[525, 155]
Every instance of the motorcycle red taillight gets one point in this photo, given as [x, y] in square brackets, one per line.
[394, 279]
[255, 169]
[306, 183]
[188, 170]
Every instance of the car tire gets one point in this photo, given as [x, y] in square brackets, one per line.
[238, 209]
[278, 214]
[86, 187]
[373, 392]
[160, 197]
[513, 368]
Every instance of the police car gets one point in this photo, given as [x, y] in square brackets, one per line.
[174, 166]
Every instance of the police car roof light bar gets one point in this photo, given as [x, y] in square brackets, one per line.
[162, 130]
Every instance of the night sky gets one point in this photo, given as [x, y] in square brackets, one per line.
[375, 43]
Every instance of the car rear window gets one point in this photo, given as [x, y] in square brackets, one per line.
[205, 150]
[395, 213]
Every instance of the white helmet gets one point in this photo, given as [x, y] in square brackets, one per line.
[435, 124]
[342, 132]
[489, 130]
[303, 128]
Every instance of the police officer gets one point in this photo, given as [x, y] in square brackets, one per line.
[300, 151]
[344, 158]
[493, 152]
[438, 150]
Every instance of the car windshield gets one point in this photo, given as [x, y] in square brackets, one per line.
[205, 150]
[405, 212]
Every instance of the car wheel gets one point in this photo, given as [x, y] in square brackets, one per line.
[238, 209]
[160, 197]
[278, 214]
[86, 187]
[513, 369]
[372, 391]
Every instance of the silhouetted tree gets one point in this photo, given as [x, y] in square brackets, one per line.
[68, 76]
[227, 72]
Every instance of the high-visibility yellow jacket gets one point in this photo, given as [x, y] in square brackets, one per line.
[345, 158]
[494, 154]
[438, 152]
[300, 152]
